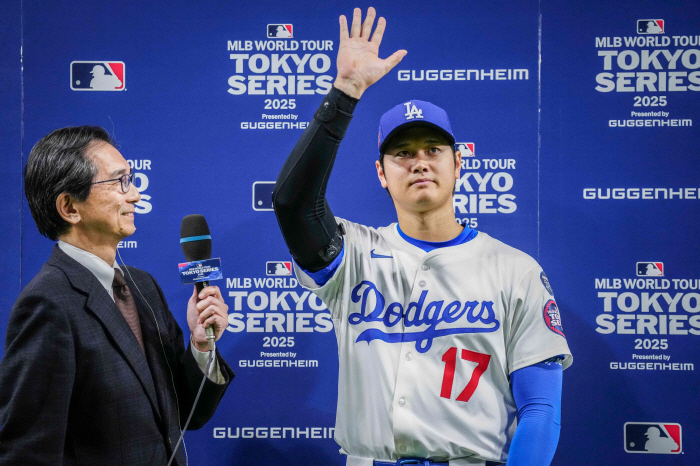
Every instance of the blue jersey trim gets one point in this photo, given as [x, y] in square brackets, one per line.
[323, 276]
[537, 394]
[465, 236]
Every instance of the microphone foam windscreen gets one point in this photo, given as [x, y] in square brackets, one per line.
[195, 238]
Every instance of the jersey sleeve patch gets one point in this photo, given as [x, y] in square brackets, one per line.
[552, 317]
[546, 284]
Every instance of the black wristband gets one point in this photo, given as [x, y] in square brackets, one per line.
[331, 251]
[335, 112]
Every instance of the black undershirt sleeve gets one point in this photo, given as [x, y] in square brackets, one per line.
[299, 198]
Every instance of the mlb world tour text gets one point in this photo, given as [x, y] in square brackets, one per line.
[479, 192]
[648, 306]
[287, 311]
[661, 70]
[275, 311]
[280, 73]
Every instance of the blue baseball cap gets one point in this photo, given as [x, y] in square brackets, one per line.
[410, 114]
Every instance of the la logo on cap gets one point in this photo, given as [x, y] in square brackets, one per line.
[412, 111]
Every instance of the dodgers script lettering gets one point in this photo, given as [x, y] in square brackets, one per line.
[473, 317]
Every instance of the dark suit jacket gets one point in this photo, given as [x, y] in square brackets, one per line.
[76, 388]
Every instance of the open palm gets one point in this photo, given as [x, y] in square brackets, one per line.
[358, 63]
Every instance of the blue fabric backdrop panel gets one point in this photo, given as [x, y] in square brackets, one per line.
[11, 157]
[620, 220]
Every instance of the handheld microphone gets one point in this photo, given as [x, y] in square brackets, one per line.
[195, 240]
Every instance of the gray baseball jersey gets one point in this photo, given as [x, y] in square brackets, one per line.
[427, 342]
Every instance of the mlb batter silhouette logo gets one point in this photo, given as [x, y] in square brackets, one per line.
[280, 31]
[97, 76]
[466, 148]
[278, 268]
[650, 26]
[652, 437]
[650, 269]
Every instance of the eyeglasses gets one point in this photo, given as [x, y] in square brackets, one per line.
[125, 180]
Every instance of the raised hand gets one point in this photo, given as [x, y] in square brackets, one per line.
[358, 63]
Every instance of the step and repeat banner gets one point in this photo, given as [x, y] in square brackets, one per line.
[577, 122]
[619, 222]
[11, 156]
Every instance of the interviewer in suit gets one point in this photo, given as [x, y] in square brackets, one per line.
[85, 379]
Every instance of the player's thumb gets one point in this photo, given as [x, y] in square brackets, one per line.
[395, 59]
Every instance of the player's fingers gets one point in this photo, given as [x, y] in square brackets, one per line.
[343, 27]
[356, 22]
[379, 32]
[369, 22]
[395, 59]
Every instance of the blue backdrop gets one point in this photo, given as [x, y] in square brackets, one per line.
[581, 118]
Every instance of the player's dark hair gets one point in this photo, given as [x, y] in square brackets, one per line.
[58, 164]
[454, 157]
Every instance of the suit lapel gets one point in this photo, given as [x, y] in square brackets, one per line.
[157, 355]
[107, 312]
[105, 309]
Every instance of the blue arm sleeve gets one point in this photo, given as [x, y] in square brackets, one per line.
[537, 393]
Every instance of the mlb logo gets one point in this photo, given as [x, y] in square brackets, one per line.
[97, 75]
[650, 269]
[280, 31]
[653, 437]
[262, 195]
[278, 268]
[466, 148]
[650, 26]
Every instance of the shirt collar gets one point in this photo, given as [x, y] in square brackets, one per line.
[464, 236]
[102, 271]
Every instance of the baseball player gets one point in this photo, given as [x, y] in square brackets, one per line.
[451, 347]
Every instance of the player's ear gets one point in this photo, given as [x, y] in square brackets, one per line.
[458, 163]
[380, 174]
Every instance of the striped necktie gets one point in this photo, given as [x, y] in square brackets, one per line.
[126, 304]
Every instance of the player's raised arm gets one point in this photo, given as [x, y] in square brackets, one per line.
[299, 197]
